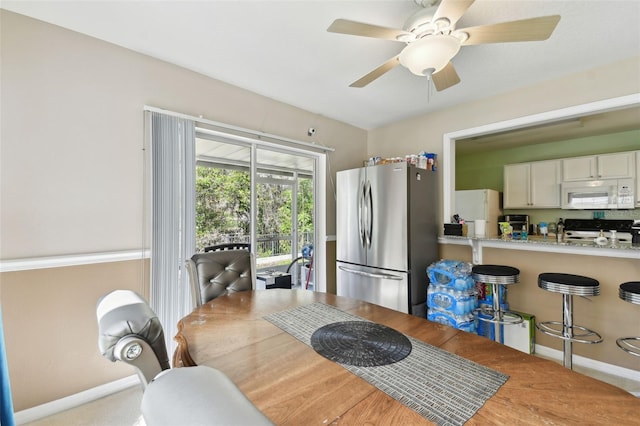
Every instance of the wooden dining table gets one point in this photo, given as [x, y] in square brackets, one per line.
[292, 384]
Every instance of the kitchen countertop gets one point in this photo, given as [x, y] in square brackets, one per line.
[537, 243]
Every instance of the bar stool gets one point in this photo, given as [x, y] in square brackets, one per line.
[630, 292]
[497, 276]
[568, 285]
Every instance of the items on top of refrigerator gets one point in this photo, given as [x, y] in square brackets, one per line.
[451, 295]
[423, 160]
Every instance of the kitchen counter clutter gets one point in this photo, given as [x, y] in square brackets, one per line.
[551, 241]
[538, 243]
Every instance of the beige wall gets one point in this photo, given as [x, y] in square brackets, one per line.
[607, 314]
[72, 136]
[425, 132]
[72, 183]
[72, 177]
[51, 332]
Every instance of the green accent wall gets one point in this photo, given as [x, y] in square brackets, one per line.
[484, 170]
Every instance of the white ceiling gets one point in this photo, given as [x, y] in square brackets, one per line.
[281, 49]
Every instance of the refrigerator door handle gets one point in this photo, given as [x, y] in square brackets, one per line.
[361, 200]
[368, 199]
[370, 274]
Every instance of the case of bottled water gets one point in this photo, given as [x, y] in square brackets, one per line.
[451, 295]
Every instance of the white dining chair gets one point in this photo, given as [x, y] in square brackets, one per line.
[129, 331]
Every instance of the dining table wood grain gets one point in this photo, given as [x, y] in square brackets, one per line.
[293, 385]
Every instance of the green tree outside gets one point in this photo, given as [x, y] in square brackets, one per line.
[223, 209]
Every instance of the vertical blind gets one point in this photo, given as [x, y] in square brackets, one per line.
[173, 218]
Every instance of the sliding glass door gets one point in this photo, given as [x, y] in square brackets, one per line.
[223, 193]
[283, 213]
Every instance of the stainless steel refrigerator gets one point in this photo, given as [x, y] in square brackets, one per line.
[387, 230]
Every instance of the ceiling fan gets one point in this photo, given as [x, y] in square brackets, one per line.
[432, 39]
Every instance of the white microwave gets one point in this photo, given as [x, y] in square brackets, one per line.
[598, 194]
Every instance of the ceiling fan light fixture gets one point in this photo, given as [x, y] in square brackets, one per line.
[442, 24]
[425, 29]
[432, 39]
[406, 37]
[429, 54]
[461, 35]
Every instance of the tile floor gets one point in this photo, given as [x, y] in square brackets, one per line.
[122, 408]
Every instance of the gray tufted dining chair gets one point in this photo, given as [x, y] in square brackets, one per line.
[129, 331]
[219, 272]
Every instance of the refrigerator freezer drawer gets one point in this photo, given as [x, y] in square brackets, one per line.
[382, 287]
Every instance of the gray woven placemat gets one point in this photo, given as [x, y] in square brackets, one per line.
[440, 386]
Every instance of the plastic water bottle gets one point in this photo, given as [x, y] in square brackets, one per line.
[459, 308]
[560, 231]
[543, 230]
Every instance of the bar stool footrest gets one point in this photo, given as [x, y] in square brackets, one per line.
[588, 336]
[508, 317]
[625, 343]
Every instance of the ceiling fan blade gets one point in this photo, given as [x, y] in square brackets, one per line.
[387, 66]
[445, 78]
[345, 26]
[452, 10]
[533, 29]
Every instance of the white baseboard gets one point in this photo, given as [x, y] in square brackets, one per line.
[72, 401]
[600, 366]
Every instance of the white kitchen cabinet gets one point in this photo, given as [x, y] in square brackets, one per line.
[516, 185]
[578, 168]
[534, 185]
[617, 165]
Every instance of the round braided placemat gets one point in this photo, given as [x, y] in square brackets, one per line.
[360, 343]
